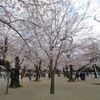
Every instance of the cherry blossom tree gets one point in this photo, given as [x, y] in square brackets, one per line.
[52, 25]
[89, 56]
[48, 26]
[10, 39]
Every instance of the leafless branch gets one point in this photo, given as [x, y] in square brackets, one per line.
[8, 24]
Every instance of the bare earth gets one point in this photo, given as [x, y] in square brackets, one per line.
[64, 90]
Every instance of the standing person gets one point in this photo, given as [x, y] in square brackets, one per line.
[77, 76]
[34, 74]
[82, 76]
[49, 75]
[44, 74]
[39, 75]
[29, 75]
[5, 75]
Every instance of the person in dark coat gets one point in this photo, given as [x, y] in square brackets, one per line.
[29, 75]
[49, 75]
[82, 76]
[77, 76]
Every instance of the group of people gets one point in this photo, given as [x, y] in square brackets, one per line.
[29, 74]
[81, 75]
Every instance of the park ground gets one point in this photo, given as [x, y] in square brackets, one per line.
[80, 90]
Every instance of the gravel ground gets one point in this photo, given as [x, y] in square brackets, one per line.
[81, 90]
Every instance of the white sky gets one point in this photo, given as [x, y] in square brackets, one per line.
[95, 9]
[95, 4]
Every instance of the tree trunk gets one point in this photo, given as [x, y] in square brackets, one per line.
[71, 74]
[7, 82]
[58, 72]
[52, 85]
[87, 71]
[15, 74]
[95, 71]
[37, 74]
[38, 68]
[15, 79]
[67, 73]
[64, 72]
[52, 70]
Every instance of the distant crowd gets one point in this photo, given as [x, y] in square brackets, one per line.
[3, 74]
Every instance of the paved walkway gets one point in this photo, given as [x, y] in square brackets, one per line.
[64, 90]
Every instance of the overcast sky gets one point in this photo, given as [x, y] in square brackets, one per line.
[95, 4]
[95, 8]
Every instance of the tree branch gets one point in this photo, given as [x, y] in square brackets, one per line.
[8, 24]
